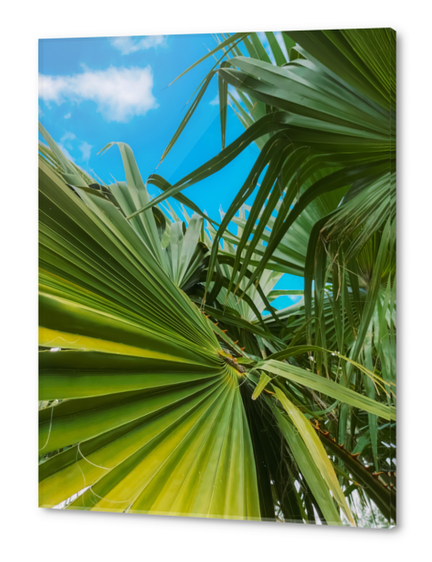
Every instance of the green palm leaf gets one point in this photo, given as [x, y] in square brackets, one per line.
[146, 416]
[149, 405]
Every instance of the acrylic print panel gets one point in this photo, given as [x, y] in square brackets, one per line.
[217, 286]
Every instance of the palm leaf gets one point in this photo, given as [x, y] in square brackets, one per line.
[137, 426]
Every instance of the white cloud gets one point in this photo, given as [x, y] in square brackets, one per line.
[68, 136]
[85, 149]
[66, 152]
[266, 45]
[282, 45]
[119, 93]
[65, 144]
[235, 94]
[128, 45]
[67, 116]
[69, 143]
[263, 38]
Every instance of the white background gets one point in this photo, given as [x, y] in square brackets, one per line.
[30, 533]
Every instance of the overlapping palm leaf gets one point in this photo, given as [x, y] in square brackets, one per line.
[147, 405]
[140, 410]
[143, 412]
[318, 123]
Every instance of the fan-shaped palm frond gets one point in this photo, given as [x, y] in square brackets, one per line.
[150, 405]
[144, 414]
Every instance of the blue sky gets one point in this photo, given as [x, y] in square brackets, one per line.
[96, 90]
